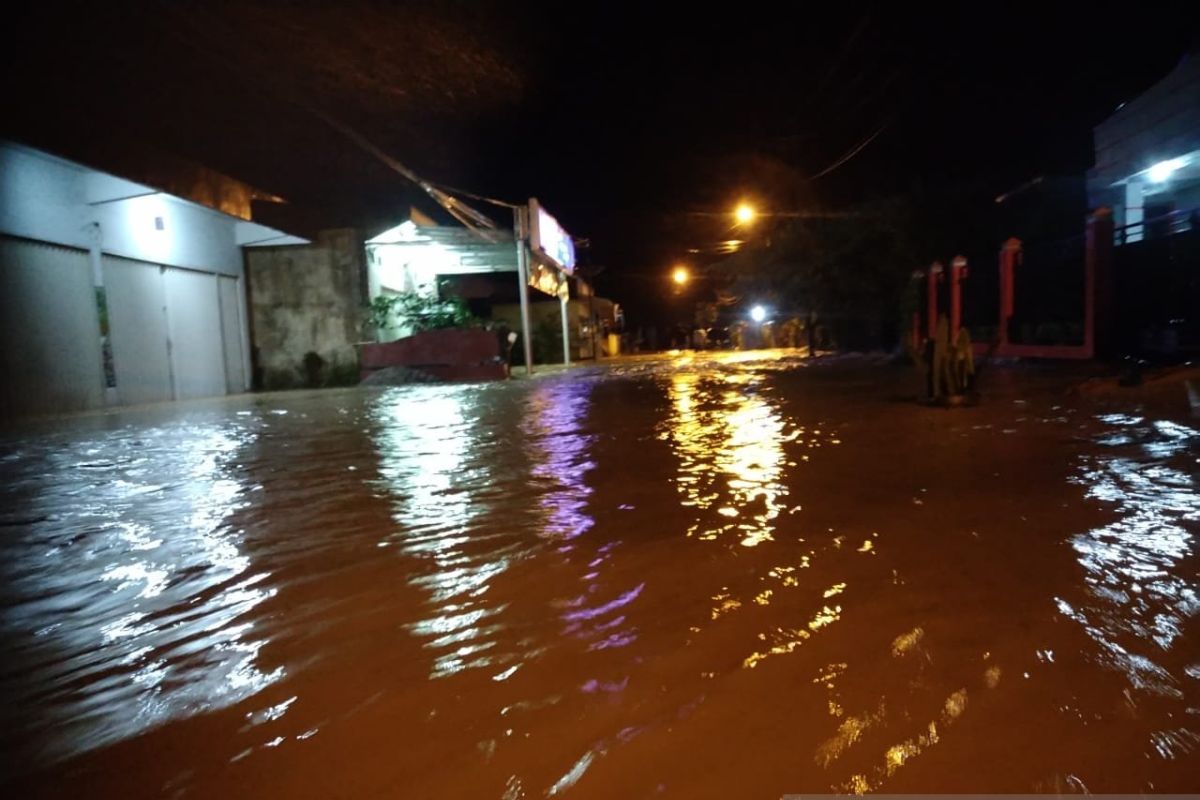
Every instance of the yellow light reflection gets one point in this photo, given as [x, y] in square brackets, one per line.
[907, 641]
[731, 459]
[836, 589]
[895, 756]
[786, 640]
[848, 732]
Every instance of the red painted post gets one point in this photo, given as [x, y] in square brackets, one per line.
[958, 271]
[1010, 256]
[931, 303]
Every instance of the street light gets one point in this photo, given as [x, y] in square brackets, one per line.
[758, 313]
[680, 276]
[744, 214]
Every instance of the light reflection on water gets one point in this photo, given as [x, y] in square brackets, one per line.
[1140, 597]
[590, 586]
[559, 450]
[430, 469]
[730, 446]
[154, 609]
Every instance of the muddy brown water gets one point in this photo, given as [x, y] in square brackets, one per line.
[701, 576]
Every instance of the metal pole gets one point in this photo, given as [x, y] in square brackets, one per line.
[564, 297]
[592, 322]
[519, 228]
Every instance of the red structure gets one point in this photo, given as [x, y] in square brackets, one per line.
[931, 303]
[958, 272]
[450, 355]
[1010, 257]
[1097, 296]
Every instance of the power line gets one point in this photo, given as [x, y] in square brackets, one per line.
[853, 151]
[473, 220]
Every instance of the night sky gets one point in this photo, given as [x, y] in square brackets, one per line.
[620, 121]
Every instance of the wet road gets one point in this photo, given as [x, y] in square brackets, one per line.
[698, 577]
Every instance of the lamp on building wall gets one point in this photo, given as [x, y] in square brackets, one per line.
[1163, 170]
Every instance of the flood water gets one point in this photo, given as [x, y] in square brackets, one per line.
[701, 576]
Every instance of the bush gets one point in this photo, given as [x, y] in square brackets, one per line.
[409, 309]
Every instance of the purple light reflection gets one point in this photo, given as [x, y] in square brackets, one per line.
[592, 613]
[561, 455]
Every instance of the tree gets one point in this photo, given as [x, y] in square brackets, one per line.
[852, 266]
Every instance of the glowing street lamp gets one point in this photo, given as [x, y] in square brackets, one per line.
[744, 214]
[681, 276]
[758, 313]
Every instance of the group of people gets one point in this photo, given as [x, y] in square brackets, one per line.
[947, 363]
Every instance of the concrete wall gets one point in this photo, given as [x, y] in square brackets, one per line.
[307, 299]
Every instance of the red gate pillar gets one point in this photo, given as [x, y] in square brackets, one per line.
[1010, 256]
[1098, 284]
[931, 304]
[958, 271]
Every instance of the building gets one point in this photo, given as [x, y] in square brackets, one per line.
[451, 261]
[437, 261]
[1147, 167]
[309, 301]
[592, 323]
[113, 292]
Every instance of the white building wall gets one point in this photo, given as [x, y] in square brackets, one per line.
[42, 198]
[52, 200]
[49, 200]
[165, 230]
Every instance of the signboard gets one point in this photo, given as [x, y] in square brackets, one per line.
[548, 241]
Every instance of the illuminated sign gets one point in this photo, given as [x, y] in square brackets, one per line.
[548, 240]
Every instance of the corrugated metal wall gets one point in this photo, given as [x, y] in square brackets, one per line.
[138, 330]
[194, 322]
[173, 333]
[50, 356]
[232, 322]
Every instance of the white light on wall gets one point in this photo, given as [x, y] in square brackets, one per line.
[758, 313]
[141, 225]
[1163, 170]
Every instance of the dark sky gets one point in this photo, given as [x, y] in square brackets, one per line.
[620, 118]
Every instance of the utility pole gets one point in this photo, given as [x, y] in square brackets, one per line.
[564, 295]
[521, 230]
[592, 321]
